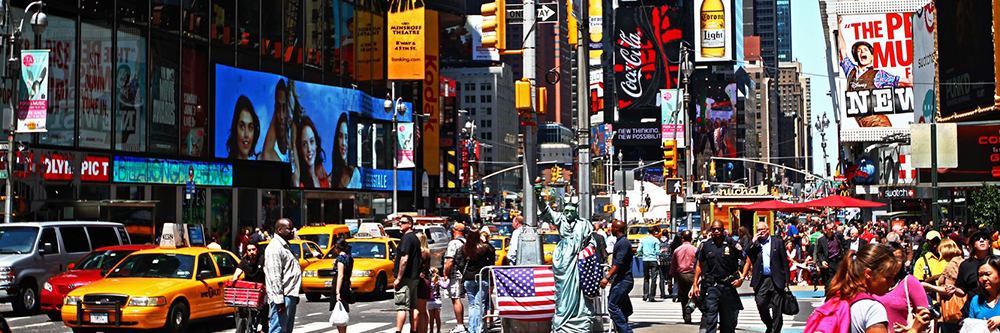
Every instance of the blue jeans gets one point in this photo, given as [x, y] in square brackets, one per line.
[477, 304]
[282, 322]
[619, 305]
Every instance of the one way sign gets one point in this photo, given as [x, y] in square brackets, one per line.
[545, 13]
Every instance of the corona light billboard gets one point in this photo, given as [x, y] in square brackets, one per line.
[714, 26]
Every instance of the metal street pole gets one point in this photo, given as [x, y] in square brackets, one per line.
[621, 165]
[583, 118]
[395, 155]
[688, 142]
[530, 247]
[935, 207]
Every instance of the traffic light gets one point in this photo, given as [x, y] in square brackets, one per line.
[573, 25]
[495, 20]
[670, 156]
[711, 168]
[522, 98]
[543, 100]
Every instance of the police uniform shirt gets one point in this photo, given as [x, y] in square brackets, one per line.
[719, 261]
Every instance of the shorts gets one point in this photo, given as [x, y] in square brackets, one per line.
[434, 304]
[424, 289]
[405, 297]
[455, 289]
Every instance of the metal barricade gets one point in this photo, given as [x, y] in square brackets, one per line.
[600, 302]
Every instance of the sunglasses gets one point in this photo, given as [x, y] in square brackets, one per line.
[717, 229]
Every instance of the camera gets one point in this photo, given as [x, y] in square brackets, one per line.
[935, 310]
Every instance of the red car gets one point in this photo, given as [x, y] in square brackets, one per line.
[82, 273]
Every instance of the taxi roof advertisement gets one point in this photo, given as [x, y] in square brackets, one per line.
[876, 51]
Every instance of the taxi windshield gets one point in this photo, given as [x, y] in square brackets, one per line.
[394, 233]
[641, 230]
[102, 259]
[497, 243]
[550, 238]
[155, 265]
[17, 240]
[505, 229]
[371, 250]
[321, 240]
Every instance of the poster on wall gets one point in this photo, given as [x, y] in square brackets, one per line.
[714, 26]
[60, 124]
[644, 38]
[876, 52]
[431, 74]
[598, 140]
[95, 86]
[474, 24]
[595, 30]
[130, 83]
[923, 66]
[672, 120]
[34, 101]
[263, 116]
[978, 157]
[408, 27]
[194, 102]
[371, 34]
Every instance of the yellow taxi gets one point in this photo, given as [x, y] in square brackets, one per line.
[549, 241]
[373, 268]
[152, 289]
[324, 235]
[636, 232]
[501, 244]
[307, 251]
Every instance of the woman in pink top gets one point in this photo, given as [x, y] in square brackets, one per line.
[897, 307]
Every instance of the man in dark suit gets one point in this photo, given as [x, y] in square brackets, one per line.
[854, 241]
[829, 252]
[767, 256]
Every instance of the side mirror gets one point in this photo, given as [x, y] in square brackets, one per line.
[104, 272]
[47, 248]
[205, 274]
[70, 266]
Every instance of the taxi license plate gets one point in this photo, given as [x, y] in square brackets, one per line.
[328, 283]
[99, 318]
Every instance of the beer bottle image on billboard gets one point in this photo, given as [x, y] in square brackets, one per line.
[713, 29]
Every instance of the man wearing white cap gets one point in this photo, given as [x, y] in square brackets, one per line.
[930, 265]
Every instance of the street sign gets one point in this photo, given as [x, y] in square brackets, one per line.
[3, 174]
[673, 186]
[545, 13]
[4, 146]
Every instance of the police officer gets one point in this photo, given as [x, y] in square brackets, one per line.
[716, 277]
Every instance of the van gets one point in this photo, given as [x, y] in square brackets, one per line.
[32, 252]
[324, 235]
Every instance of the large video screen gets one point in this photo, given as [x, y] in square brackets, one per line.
[263, 116]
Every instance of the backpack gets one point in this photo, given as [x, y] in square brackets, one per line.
[459, 260]
[834, 316]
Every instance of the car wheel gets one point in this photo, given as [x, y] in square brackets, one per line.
[177, 318]
[313, 297]
[54, 316]
[27, 299]
[380, 286]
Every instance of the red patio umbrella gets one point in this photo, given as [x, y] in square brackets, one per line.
[837, 201]
[776, 205]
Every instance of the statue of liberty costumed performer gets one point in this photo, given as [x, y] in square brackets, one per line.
[572, 313]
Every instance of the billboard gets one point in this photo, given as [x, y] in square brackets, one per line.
[978, 156]
[637, 134]
[714, 23]
[968, 57]
[599, 143]
[644, 38]
[924, 69]
[34, 102]
[410, 33]
[474, 24]
[713, 129]
[876, 51]
[311, 129]
[404, 145]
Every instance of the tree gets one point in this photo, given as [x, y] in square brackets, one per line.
[986, 205]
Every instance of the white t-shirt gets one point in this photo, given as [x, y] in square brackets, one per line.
[865, 313]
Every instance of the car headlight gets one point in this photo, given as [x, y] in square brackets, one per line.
[7, 275]
[72, 300]
[47, 286]
[147, 301]
[310, 274]
[362, 273]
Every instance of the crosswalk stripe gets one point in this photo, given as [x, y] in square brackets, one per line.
[364, 327]
[312, 327]
[667, 312]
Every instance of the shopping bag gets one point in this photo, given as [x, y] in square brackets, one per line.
[339, 316]
[972, 325]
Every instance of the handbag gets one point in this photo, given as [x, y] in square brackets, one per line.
[951, 309]
[339, 316]
[791, 304]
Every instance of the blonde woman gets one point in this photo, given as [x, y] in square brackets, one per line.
[945, 287]
[424, 286]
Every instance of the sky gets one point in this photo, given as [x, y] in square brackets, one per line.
[809, 48]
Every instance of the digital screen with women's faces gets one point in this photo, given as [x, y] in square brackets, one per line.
[263, 116]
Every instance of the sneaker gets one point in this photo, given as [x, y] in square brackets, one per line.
[458, 329]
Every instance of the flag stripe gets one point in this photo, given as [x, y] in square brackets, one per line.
[525, 293]
[524, 304]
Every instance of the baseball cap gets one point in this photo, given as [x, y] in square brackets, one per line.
[933, 234]
[980, 233]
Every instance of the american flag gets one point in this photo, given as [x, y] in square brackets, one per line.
[590, 272]
[525, 293]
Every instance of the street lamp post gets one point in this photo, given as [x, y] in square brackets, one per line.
[687, 68]
[397, 108]
[621, 165]
[470, 130]
[39, 21]
[822, 123]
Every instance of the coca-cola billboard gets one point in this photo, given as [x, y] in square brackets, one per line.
[644, 38]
